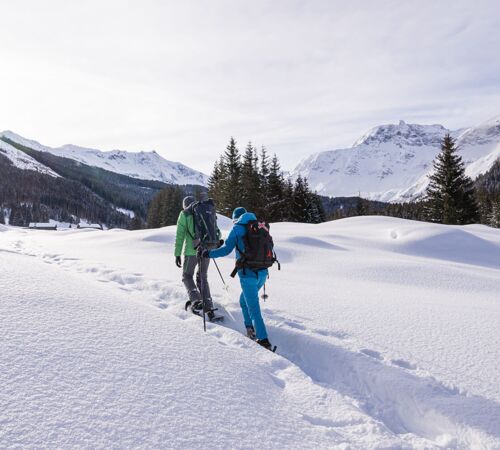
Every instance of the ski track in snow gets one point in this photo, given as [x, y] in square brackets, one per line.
[386, 390]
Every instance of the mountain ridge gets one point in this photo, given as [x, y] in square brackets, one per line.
[392, 162]
[144, 165]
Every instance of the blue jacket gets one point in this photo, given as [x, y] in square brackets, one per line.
[235, 238]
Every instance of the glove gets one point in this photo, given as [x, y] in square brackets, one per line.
[202, 253]
[221, 243]
[178, 261]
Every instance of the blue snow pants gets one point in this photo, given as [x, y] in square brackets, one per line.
[251, 282]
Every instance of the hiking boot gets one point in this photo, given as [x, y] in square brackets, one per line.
[251, 333]
[211, 315]
[265, 343]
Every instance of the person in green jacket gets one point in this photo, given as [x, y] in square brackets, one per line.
[184, 237]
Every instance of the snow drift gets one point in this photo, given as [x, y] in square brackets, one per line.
[387, 334]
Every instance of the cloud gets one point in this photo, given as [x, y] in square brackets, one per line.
[296, 76]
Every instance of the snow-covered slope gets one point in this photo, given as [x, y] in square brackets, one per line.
[387, 334]
[144, 165]
[392, 162]
[480, 146]
[23, 161]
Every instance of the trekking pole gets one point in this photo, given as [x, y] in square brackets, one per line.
[200, 268]
[220, 274]
[265, 296]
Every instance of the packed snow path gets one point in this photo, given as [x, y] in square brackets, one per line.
[386, 330]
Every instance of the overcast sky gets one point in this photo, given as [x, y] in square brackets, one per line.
[296, 76]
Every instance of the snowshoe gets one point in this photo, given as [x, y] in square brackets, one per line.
[212, 317]
[266, 344]
[251, 333]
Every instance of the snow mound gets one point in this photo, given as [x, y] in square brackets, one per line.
[446, 243]
[160, 235]
[387, 334]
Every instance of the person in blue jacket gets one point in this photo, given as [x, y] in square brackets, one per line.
[251, 281]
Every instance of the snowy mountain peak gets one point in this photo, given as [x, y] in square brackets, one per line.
[145, 165]
[404, 134]
[392, 162]
[486, 133]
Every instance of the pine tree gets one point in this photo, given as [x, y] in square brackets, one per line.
[153, 218]
[263, 184]
[136, 222]
[450, 191]
[231, 182]
[250, 181]
[318, 212]
[275, 204]
[216, 181]
[164, 208]
[286, 206]
[16, 216]
[361, 207]
[494, 216]
[2, 218]
[300, 203]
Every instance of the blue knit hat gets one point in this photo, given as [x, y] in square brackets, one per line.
[238, 212]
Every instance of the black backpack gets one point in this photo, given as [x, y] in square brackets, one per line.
[259, 248]
[205, 224]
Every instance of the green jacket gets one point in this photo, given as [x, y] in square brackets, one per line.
[184, 235]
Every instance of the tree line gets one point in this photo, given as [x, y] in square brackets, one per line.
[256, 182]
[252, 180]
[30, 196]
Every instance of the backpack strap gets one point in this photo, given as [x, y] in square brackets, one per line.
[241, 259]
[188, 212]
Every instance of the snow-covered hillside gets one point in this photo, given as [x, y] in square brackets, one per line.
[392, 162]
[23, 161]
[143, 165]
[387, 334]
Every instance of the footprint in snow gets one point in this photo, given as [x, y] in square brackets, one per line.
[372, 354]
[404, 364]
[336, 334]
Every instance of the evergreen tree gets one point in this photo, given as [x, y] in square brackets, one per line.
[494, 216]
[136, 222]
[2, 218]
[300, 203]
[487, 188]
[258, 185]
[216, 181]
[153, 218]
[263, 184]
[231, 181]
[450, 191]
[250, 185]
[318, 212]
[275, 201]
[17, 216]
[286, 207]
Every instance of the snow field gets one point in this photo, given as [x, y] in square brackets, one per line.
[386, 338]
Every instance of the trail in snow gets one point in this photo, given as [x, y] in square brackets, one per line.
[405, 403]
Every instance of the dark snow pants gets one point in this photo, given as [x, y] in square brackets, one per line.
[192, 287]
